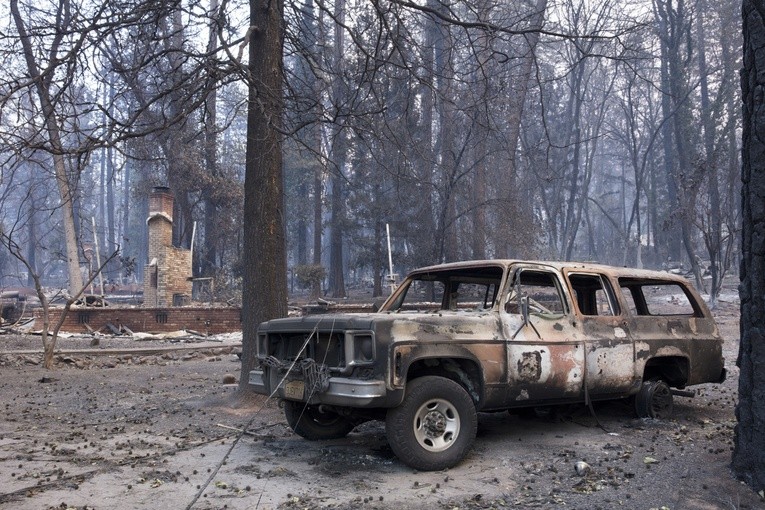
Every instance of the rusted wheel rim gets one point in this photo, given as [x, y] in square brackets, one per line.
[661, 401]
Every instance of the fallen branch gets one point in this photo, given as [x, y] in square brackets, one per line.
[241, 431]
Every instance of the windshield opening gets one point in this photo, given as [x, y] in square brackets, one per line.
[472, 289]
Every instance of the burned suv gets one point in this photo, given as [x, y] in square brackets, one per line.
[456, 339]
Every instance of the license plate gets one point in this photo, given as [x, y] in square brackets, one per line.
[294, 390]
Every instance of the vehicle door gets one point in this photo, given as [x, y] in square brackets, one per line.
[545, 359]
[610, 350]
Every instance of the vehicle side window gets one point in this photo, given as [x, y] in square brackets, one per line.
[593, 295]
[657, 297]
[542, 290]
[630, 300]
[473, 295]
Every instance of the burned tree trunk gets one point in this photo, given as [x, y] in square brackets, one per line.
[339, 152]
[264, 295]
[749, 451]
[43, 79]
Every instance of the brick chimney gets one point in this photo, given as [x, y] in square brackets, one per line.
[167, 277]
[160, 221]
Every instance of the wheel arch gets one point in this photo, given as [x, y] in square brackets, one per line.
[674, 370]
[464, 371]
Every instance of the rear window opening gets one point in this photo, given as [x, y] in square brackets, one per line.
[658, 298]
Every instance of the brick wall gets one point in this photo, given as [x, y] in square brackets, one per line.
[177, 273]
[151, 320]
[170, 277]
[150, 279]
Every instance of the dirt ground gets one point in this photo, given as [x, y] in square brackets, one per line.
[158, 429]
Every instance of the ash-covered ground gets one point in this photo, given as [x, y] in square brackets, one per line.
[131, 427]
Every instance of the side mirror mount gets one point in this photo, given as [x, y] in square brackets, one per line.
[523, 304]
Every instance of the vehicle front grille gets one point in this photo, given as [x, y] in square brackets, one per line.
[324, 348]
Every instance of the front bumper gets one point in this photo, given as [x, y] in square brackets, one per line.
[342, 391]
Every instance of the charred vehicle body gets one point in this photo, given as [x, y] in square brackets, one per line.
[456, 339]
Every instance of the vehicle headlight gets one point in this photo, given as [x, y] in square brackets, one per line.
[262, 345]
[359, 347]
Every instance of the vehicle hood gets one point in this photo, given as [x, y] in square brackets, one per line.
[426, 326]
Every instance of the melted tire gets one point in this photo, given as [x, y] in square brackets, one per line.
[435, 425]
[654, 400]
[312, 424]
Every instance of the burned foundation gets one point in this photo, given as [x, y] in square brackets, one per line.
[167, 289]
